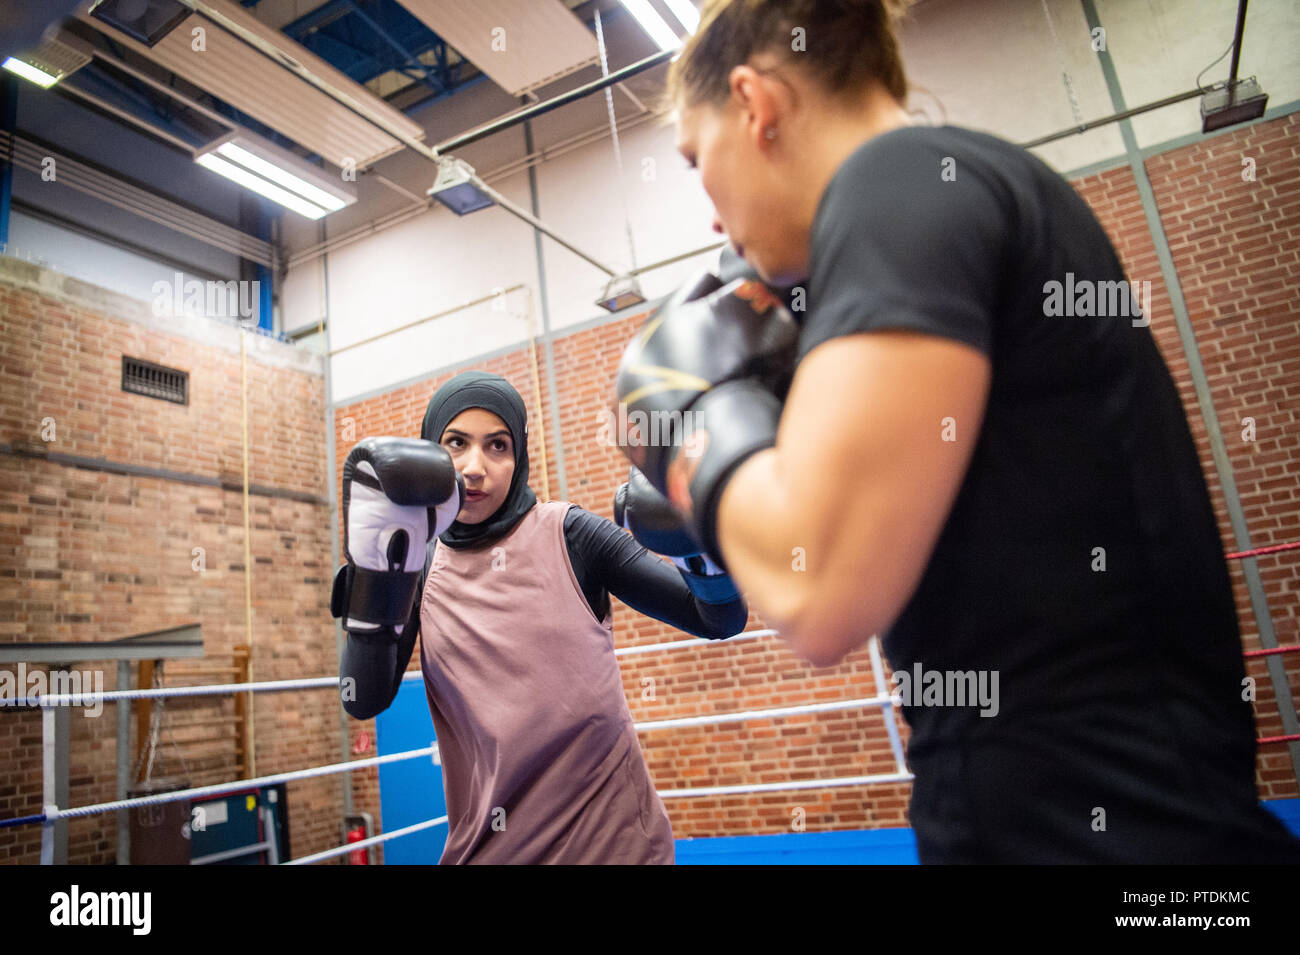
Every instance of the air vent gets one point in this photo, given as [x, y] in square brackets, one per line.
[141, 377]
[145, 20]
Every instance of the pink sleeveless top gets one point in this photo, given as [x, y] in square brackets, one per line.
[540, 761]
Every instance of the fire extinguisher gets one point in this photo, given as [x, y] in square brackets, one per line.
[358, 856]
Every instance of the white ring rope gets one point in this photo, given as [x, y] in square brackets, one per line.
[311, 683]
[366, 843]
[663, 794]
[52, 812]
[678, 644]
[783, 787]
[762, 714]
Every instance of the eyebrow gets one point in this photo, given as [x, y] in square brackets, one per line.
[465, 434]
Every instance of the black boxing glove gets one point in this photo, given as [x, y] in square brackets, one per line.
[702, 384]
[397, 494]
[657, 526]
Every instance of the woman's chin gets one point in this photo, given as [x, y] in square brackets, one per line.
[475, 513]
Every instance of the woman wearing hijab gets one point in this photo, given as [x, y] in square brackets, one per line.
[541, 763]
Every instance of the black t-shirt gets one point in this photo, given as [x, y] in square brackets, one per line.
[1121, 732]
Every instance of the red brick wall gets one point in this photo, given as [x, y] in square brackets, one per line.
[88, 556]
[1236, 248]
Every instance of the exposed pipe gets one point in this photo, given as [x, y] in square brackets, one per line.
[1115, 118]
[1236, 50]
[555, 102]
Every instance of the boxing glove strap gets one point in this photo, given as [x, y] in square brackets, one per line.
[739, 419]
[382, 598]
[711, 588]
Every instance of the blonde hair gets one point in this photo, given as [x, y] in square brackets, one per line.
[844, 44]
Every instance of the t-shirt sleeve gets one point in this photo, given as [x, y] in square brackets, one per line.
[909, 235]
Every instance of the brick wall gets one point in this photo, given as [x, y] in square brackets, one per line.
[1236, 248]
[87, 555]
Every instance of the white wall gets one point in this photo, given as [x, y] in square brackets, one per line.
[82, 257]
[582, 198]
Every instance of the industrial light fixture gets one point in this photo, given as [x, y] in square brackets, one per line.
[28, 72]
[1236, 101]
[686, 13]
[145, 20]
[277, 174]
[51, 60]
[623, 291]
[653, 23]
[1232, 103]
[455, 187]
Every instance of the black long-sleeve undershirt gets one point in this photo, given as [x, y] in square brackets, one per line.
[606, 560]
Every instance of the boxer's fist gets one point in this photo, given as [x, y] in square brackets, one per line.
[657, 526]
[703, 382]
[397, 493]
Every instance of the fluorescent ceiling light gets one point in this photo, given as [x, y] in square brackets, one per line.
[259, 185]
[685, 12]
[268, 170]
[653, 24]
[276, 173]
[29, 72]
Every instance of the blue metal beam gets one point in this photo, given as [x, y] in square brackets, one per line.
[367, 38]
[387, 37]
[9, 121]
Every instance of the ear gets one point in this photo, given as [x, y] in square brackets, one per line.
[756, 98]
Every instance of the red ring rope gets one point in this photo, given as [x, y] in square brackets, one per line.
[1272, 650]
[1255, 552]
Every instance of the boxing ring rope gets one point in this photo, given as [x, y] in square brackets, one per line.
[1259, 551]
[883, 700]
[1270, 651]
[1291, 648]
[366, 843]
[52, 813]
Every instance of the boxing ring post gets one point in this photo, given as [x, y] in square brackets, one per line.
[54, 783]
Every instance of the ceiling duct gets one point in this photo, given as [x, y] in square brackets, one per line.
[147, 21]
[520, 44]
